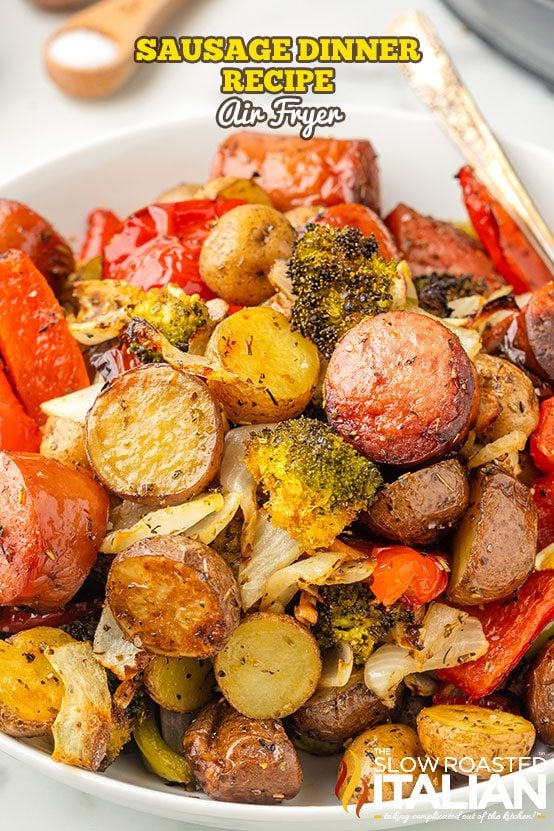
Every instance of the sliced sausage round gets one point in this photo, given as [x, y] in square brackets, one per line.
[401, 389]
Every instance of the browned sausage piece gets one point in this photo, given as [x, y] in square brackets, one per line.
[293, 171]
[539, 326]
[540, 694]
[401, 389]
[431, 245]
[240, 759]
[174, 596]
[422, 506]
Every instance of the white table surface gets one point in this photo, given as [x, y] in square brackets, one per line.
[37, 122]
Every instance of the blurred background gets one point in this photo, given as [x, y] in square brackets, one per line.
[39, 121]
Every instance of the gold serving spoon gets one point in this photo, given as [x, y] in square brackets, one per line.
[438, 85]
[91, 54]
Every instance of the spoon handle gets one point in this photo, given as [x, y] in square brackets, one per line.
[438, 85]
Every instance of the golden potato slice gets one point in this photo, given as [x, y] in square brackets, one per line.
[173, 596]
[269, 667]
[493, 549]
[489, 737]
[241, 248]
[181, 685]
[388, 748]
[155, 436]
[275, 369]
[233, 187]
[30, 692]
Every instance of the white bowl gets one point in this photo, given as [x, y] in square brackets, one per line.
[417, 167]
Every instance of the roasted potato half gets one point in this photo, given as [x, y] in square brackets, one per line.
[274, 370]
[240, 759]
[30, 692]
[388, 748]
[233, 187]
[421, 507]
[269, 667]
[173, 596]
[240, 250]
[540, 694]
[64, 440]
[338, 713]
[298, 217]
[155, 436]
[181, 685]
[494, 548]
[458, 731]
[507, 391]
[179, 193]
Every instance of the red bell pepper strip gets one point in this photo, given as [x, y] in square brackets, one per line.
[14, 619]
[510, 626]
[363, 218]
[162, 243]
[17, 430]
[102, 224]
[505, 243]
[42, 358]
[543, 494]
[542, 440]
[403, 572]
[24, 229]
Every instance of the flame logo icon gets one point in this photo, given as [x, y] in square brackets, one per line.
[349, 778]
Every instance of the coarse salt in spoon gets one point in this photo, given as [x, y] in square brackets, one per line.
[91, 55]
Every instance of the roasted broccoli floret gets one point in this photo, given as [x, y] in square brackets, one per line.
[337, 278]
[436, 291]
[350, 614]
[172, 312]
[316, 482]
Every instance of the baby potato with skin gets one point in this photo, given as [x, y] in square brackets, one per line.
[386, 749]
[239, 251]
[274, 369]
[234, 187]
[459, 731]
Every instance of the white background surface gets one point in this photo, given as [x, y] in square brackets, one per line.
[37, 122]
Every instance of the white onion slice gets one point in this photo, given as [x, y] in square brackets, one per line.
[176, 519]
[270, 550]
[338, 663]
[208, 528]
[450, 637]
[114, 651]
[83, 725]
[73, 406]
[283, 584]
[385, 669]
[504, 446]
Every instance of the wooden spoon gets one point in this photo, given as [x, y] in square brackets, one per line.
[91, 54]
[59, 5]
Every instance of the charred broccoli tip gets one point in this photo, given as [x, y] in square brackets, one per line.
[435, 291]
[338, 278]
[350, 614]
[172, 312]
[315, 481]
